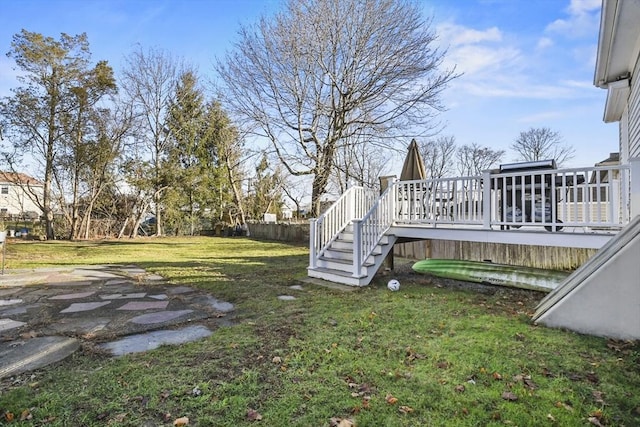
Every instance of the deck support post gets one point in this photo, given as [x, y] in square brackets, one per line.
[387, 183]
[357, 247]
[312, 242]
[634, 200]
[486, 199]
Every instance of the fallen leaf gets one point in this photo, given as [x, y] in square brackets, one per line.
[551, 417]
[8, 416]
[597, 395]
[530, 384]
[443, 365]
[180, 422]
[253, 415]
[547, 373]
[25, 415]
[365, 402]
[196, 391]
[341, 422]
[565, 405]
[592, 377]
[595, 421]
[390, 399]
[596, 414]
[507, 395]
[276, 359]
[497, 376]
[460, 388]
[405, 409]
[29, 335]
[120, 417]
[165, 394]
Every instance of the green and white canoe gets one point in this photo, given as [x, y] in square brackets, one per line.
[495, 274]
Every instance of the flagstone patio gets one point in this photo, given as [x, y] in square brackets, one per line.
[48, 314]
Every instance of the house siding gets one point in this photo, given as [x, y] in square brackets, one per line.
[14, 199]
[634, 114]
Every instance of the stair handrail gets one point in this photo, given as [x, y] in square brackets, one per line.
[352, 204]
[371, 228]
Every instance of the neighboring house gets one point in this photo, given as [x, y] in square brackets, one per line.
[17, 192]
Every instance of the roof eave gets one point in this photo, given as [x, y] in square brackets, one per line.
[617, 42]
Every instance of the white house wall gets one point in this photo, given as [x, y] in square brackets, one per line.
[634, 114]
[623, 135]
[16, 201]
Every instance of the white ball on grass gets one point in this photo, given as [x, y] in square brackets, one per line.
[393, 285]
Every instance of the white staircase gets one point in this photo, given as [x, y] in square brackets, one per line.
[336, 263]
[349, 242]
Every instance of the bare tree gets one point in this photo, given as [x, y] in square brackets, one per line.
[357, 163]
[439, 156]
[149, 80]
[296, 192]
[322, 71]
[542, 144]
[100, 171]
[473, 159]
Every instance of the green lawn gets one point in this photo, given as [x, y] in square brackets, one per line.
[428, 355]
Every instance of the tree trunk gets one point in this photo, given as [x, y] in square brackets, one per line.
[123, 228]
[237, 198]
[319, 187]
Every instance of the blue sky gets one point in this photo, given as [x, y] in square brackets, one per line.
[526, 63]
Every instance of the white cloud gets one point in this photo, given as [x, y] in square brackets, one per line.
[584, 6]
[472, 60]
[578, 84]
[474, 51]
[458, 35]
[583, 19]
[498, 65]
[544, 42]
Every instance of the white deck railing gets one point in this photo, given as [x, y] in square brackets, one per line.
[596, 197]
[354, 203]
[368, 231]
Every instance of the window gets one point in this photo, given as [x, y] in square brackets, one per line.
[4, 189]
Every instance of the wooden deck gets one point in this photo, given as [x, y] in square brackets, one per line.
[578, 208]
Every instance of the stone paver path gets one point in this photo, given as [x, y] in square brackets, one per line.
[46, 314]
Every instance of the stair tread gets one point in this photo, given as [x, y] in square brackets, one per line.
[334, 272]
[344, 261]
[346, 251]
